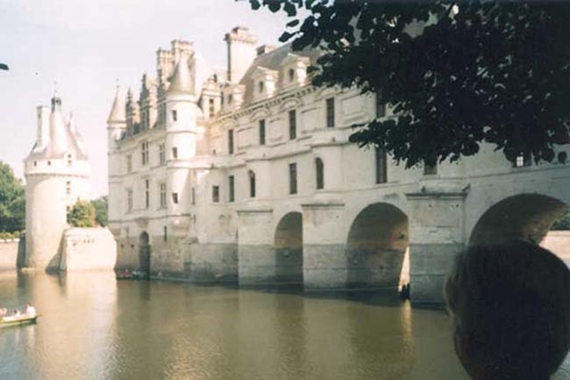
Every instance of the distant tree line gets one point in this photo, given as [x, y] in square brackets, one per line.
[12, 203]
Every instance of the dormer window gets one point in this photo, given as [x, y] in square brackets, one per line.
[261, 87]
[291, 75]
[230, 99]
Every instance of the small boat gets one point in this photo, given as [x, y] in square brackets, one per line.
[23, 319]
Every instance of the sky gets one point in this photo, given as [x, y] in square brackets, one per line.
[86, 46]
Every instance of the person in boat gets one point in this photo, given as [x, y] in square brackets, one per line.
[3, 312]
[510, 304]
[16, 313]
[30, 310]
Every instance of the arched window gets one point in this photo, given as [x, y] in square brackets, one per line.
[320, 170]
[261, 86]
[251, 184]
[291, 75]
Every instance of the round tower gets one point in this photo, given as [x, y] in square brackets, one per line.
[57, 175]
[116, 129]
[180, 123]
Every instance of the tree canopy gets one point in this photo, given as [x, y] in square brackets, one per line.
[456, 75]
[82, 214]
[100, 205]
[12, 201]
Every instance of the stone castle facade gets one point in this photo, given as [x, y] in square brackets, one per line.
[247, 175]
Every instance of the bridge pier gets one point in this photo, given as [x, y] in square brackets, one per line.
[436, 237]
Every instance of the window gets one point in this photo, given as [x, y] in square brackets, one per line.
[330, 112]
[165, 235]
[231, 187]
[291, 75]
[175, 198]
[251, 184]
[129, 163]
[430, 169]
[144, 153]
[129, 200]
[380, 107]
[231, 141]
[320, 171]
[146, 193]
[292, 178]
[262, 132]
[261, 86]
[381, 165]
[163, 195]
[68, 188]
[292, 125]
[523, 160]
[230, 99]
[174, 153]
[193, 196]
[211, 107]
[161, 154]
[174, 115]
[215, 194]
[69, 160]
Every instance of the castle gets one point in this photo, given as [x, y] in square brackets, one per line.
[247, 175]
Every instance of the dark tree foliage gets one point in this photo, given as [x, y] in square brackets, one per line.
[82, 214]
[100, 205]
[456, 75]
[562, 223]
[12, 201]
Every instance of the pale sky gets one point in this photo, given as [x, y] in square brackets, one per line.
[86, 45]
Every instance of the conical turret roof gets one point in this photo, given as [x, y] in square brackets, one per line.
[117, 114]
[181, 79]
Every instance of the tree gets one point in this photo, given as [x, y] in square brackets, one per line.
[82, 214]
[562, 223]
[456, 75]
[100, 205]
[12, 201]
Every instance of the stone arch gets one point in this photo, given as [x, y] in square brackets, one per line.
[144, 252]
[376, 246]
[522, 216]
[288, 246]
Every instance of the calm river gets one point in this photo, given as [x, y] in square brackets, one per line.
[94, 327]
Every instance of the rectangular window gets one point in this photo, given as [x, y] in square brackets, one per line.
[68, 188]
[129, 200]
[175, 198]
[381, 166]
[430, 169]
[231, 188]
[215, 194]
[330, 112]
[211, 108]
[174, 115]
[165, 236]
[69, 160]
[380, 107]
[262, 132]
[144, 153]
[193, 196]
[163, 195]
[231, 141]
[174, 153]
[147, 193]
[523, 160]
[129, 163]
[292, 125]
[161, 154]
[292, 178]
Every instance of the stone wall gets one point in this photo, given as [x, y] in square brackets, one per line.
[8, 254]
[88, 249]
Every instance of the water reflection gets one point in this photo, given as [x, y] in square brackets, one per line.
[94, 327]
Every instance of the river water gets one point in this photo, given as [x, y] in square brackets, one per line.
[94, 327]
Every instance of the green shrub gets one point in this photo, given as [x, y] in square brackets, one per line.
[82, 214]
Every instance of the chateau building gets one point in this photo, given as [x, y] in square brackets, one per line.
[247, 175]
[57, 175]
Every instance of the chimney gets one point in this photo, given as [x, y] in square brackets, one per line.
[43, 126]
[241, 52]
[264, 49]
